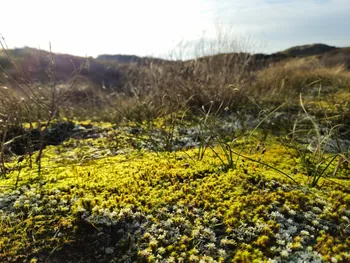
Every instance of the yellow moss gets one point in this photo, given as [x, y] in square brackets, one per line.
[148, 181]
[262, 241]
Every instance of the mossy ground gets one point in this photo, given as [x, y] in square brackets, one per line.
[102, 200]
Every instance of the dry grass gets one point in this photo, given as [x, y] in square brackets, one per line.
[280, 81]
[145, 90]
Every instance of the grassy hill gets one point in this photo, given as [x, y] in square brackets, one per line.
[109, 68]
[308, 50]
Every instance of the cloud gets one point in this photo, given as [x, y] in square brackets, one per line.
[285, 23]
[154, 27]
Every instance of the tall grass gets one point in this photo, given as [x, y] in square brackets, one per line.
[281, 80]
[28, 102]
[316, 158]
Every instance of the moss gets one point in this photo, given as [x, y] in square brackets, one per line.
[146, 206]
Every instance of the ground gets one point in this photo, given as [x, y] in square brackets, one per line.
[115, 198]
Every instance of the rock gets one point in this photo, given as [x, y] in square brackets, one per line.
[330, 146]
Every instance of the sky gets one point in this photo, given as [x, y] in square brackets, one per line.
[176, 29]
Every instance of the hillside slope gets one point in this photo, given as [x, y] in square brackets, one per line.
[113, 71]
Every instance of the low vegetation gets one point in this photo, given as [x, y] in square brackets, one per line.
[226, 158]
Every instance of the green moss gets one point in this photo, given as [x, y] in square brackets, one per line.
[143, 206]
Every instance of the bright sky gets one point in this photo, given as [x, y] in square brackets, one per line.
[155, 27]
